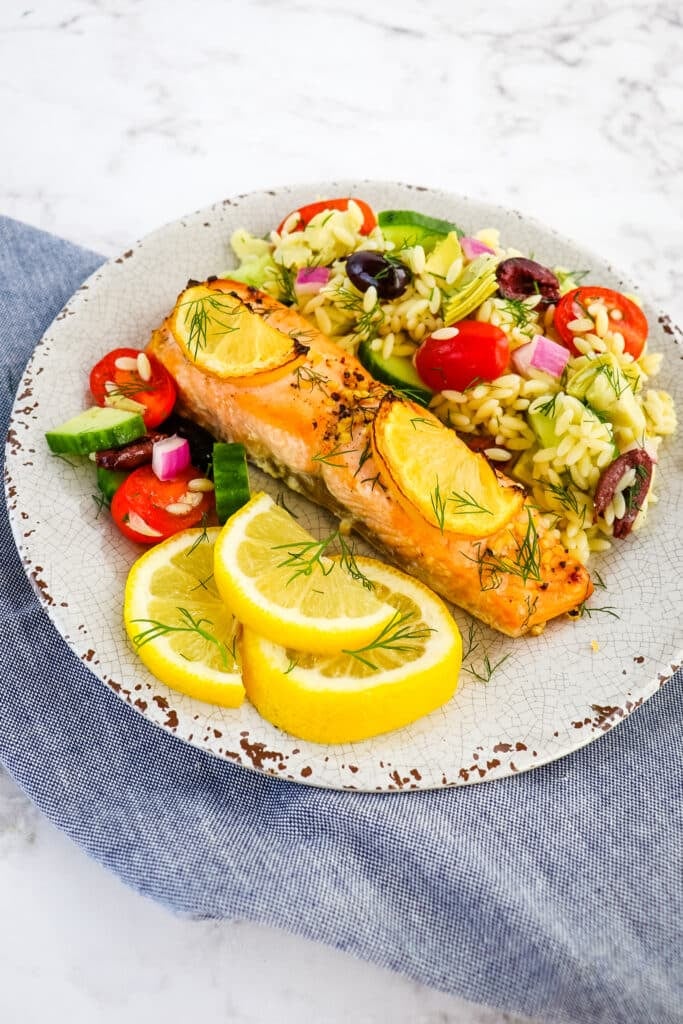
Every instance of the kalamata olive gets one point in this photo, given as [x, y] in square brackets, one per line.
[638, 459]
[518, 278]
[367, 269]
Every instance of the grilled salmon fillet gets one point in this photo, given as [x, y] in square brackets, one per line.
[311, 426]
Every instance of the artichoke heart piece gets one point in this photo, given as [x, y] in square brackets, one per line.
[476, 283]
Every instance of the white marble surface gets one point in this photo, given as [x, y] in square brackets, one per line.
[119, 115]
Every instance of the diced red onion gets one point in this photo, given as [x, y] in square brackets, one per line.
[472, 248]
[170, 457]
[541, 354]
[310, 280]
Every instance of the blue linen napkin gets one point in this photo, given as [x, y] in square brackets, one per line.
[557, 893]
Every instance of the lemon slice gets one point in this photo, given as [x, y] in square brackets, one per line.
[275, 578]
[218, 332]
[177, 622]
[452, 487]
[407, 670]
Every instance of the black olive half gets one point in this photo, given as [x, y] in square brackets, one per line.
[367, 269]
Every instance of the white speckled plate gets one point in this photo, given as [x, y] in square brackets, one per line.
[551, 694]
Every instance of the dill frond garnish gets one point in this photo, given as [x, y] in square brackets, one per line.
[206, 313]
[367, 322]
[201, 538]
[307, 556]
[156, 629]
[465, 503]
[329, 457]
[487, 669]
[583, 610]
[521, 315]
[397, 636]
[307, 375]
[438, 503]
[283, 278]
[525, 563]
[100, 503]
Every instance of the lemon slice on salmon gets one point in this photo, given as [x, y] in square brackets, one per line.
[407, 670]
[216, 330]
[276, 579]
[178, 623]
[433, 471]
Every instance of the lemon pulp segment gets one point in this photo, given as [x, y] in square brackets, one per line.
[220, 334]
[452, 487]
[270, 576]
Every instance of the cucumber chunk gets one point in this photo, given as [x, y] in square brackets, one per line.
[109, 481]
[407, 227]
[603, 385]
[396, 371]
[230, 479]
[94, 430]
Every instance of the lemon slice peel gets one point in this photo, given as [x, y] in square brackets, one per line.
[177, 622]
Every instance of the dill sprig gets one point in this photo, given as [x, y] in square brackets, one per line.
[367, 322]
[487, 669]
[548, 408]
[438, 503]
[100, 503]
[206, 313]
[283, 278]
[583, 610]
[525, 563]
[307, 375]
[307, 556]
[521, 315]
[466, 503]
[613, 375]
[328, 458]
[398, 635]
[201, 538]
[155, 629]
[471, 644]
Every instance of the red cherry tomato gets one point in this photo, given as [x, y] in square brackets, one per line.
[141, 503]
[307, 213]
[158, 394]
[478, 352]
[574, 306]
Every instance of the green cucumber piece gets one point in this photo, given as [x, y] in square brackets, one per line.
[230, 479]
[407, 227]
[603, 385]
[396, 371]
[94, 430]
[109, 481]
[543, 418]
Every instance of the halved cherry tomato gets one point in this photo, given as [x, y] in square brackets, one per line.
[141, 503]
[477, 352]
[574, 306]
[307, 213]
[158, 394]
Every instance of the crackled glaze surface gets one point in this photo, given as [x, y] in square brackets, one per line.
[550, 695]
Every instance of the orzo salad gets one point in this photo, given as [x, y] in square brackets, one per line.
[545, 371]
